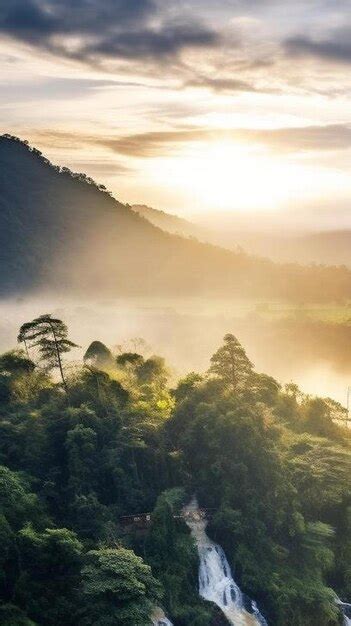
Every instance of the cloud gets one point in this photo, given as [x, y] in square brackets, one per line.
[151, 42]
[52, 88]
[336, 48]
[304, 139]
[48, 138]
[221, 84]
[100, 168]
[94, 166]
[98, 30]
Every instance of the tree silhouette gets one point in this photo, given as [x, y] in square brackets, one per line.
[98, 355]
[49, 335]
[231, 364]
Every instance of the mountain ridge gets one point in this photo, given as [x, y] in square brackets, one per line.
[328, 247]
[60, 230]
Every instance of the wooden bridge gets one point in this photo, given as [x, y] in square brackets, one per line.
[143, 520]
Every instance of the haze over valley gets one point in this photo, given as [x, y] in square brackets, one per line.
[175, 313]
[68, 243]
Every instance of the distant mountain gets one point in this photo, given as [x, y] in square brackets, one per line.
[325, 247]
[328, 247]
[61, 231]
[171, 223]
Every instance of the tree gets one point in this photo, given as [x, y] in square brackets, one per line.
[16, 363]
[173, 557]
[152, 370]
[118, 589]
[49, 334]
[130, 359]
[231, 364]
[49, 579]
[98, 355]
[11, 615]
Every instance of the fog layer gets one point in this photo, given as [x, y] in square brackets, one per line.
[288, 344]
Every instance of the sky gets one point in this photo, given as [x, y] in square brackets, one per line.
[190, 106]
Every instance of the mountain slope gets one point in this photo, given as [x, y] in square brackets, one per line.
[171, 223]
[59, 230]
[331, 247]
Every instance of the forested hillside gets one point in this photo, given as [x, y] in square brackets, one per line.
[82, 447]
[61, 231]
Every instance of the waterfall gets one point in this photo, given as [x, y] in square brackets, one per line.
[346, 609]
[159, 619]
[216, 583]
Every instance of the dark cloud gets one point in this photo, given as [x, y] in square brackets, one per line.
[31, 19]
[150, 42]
[304, 139]
[336, 48]
[96, 30]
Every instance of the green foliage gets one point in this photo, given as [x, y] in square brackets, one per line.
[99, 356]
[118, 589]
[231, 364]
[11, 615]
[16, 363]
[275, 493]
[50, 336]
[272, 464]
[173, 556]
[49, 578]
[131, 359]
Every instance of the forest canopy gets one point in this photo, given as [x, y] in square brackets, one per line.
[81, 449]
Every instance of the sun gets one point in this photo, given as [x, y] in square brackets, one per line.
[230, 176]
[222, 175]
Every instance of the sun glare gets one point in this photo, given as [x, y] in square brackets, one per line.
[226, 176]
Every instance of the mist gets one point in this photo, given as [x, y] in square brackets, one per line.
[288, 345]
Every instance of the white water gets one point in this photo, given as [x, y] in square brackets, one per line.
[159, 618]
[216, 583]
[346, 609]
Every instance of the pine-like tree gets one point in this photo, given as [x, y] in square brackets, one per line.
[50, 336]
[231, 364]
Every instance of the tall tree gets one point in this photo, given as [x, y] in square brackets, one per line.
[50, 336]
[231, 364]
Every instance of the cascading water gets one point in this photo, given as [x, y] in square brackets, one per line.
[346, 609]
[216, 583]
[159, 619]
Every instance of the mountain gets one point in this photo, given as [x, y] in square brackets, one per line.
[171, 223]
[61, 231]
[331, 247]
